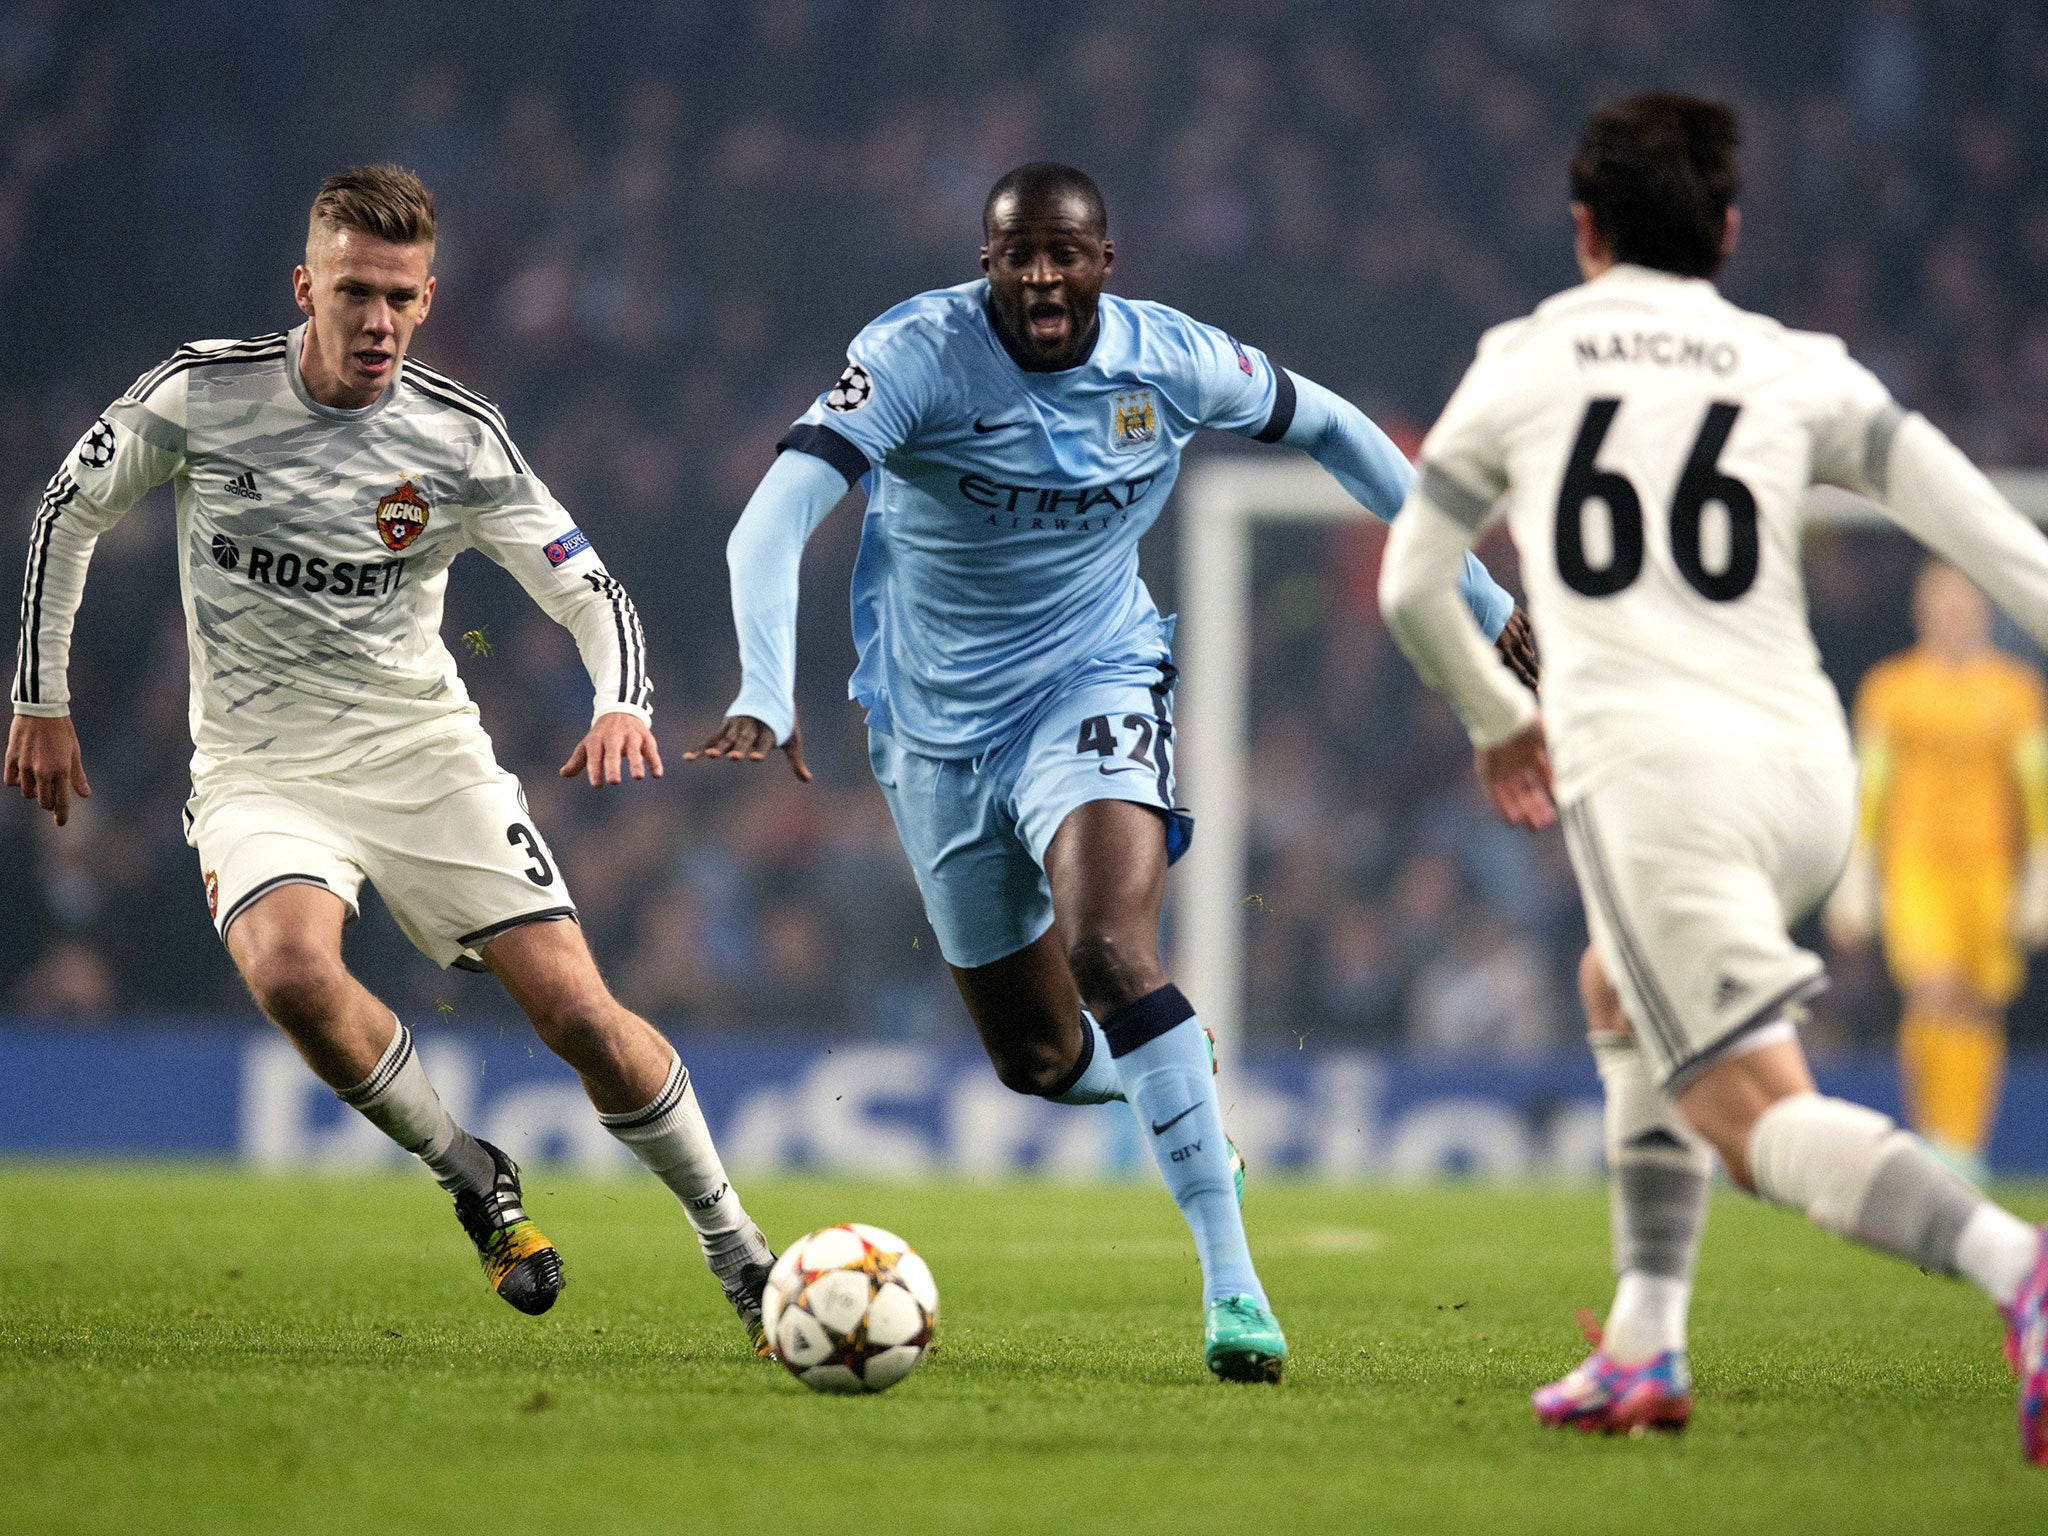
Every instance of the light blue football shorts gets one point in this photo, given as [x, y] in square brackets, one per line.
[976, 830]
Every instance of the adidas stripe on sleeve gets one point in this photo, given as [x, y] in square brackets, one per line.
[137, 445]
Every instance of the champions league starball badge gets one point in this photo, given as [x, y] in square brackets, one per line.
[97, 449]
[852, 390]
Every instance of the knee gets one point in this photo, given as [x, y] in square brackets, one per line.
[1727, 1103]
[1033, 1068]
[296, 981]
[579, 1023]
[1729, 1136]
[1948, 996]
[1111, 970]
[1604, 1014]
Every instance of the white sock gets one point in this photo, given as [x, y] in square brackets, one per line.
[1859, 1176]
[400, 1102]
[1648, 1316]
[670, 1137]
[1996, 1251]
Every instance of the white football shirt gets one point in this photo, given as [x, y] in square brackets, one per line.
[1655, 444]
[314, 546]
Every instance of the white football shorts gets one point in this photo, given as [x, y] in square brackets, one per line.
[1693, 864]
[439, 829]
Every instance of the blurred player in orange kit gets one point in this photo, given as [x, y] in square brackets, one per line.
[1952, 846]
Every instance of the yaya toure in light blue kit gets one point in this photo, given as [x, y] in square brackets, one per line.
[1012, 663]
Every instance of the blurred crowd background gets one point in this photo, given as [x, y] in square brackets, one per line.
[660, 225]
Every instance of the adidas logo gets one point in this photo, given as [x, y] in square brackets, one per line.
[1726, 990]
[244, 485]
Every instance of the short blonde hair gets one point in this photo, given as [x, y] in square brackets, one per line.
[386, 201]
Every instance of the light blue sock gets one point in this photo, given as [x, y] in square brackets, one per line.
[1094, 1080]
[1163, 1059]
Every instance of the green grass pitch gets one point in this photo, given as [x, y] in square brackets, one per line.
[209, 1351]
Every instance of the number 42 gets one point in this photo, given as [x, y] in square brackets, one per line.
[1097, 737]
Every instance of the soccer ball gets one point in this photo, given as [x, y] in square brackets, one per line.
[850, 1309]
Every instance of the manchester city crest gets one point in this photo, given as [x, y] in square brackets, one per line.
[401, 516]
[1133, 420]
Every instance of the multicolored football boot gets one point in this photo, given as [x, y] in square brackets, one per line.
[1601, 1394]
[2026, 1348]
[520, 1263]
[743, 1275]
[1242, 1340]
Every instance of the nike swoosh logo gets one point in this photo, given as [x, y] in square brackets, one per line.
[995, 426]
[1108, 772]
[1160, 1128]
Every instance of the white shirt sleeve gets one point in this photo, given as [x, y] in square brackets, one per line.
[513, 517]
[1459, 478]
[1931, 490]
[1864, 441]
[130, 450]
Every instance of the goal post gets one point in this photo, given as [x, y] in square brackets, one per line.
[1222, 502]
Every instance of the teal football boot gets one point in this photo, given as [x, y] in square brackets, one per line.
[1243, 1341]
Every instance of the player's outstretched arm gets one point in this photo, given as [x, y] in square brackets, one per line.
[44, 763]
[764, 556]
[1363, 459]
[513, 518]
[138, 444]
[1929, 488]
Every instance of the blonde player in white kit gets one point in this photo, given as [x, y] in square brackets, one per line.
[325, 481]
[1654, 446]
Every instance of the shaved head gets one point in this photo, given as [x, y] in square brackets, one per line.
[1042, 184]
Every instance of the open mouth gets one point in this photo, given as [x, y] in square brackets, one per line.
[1046, 321]
[372, 362]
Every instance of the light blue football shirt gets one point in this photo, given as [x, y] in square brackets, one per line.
[999, 554]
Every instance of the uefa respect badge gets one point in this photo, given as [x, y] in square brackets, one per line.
[567, 547]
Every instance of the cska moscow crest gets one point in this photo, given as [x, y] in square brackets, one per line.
[1134, 420]
[401, 516]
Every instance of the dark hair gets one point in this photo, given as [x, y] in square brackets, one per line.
[1043, 180]
[382, 200]
[1658, 172]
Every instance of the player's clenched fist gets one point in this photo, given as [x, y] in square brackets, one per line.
[43, 762]
[617, 745]
[743, 739]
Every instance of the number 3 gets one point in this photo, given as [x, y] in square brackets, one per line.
[539, 872]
